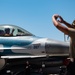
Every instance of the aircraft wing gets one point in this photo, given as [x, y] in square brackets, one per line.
[17, 57]
[34, 56]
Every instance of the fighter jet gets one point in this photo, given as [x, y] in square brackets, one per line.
[18, 45]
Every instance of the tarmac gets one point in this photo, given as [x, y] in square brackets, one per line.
[20, 70]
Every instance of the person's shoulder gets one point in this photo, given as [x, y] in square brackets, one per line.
[8, 35]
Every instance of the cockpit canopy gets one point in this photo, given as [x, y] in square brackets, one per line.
[12, 30]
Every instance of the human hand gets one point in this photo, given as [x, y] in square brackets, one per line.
[61, 20]
[71, 59]
[56, 16]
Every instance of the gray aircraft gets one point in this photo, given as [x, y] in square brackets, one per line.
[18, 45]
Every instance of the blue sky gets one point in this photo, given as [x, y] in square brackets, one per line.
[36, 15]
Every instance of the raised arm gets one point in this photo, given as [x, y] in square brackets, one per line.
[58, 24]
[64, 22]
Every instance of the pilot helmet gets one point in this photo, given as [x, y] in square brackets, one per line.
[7, 30]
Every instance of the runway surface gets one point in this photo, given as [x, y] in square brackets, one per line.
[20, 70]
